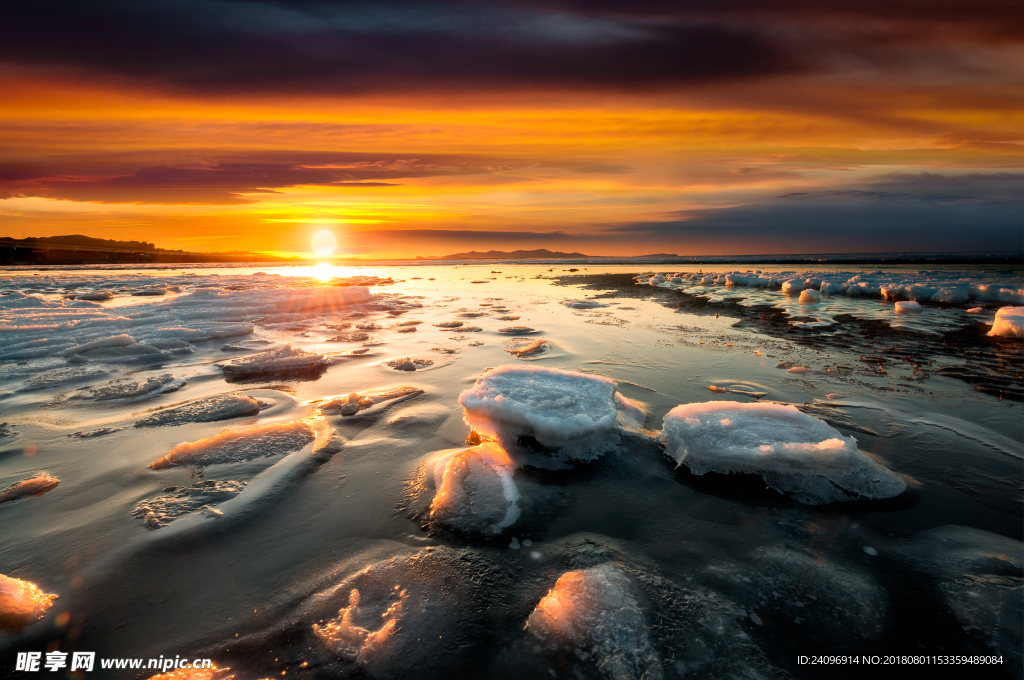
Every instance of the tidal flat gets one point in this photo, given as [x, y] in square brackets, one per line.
[464, 471]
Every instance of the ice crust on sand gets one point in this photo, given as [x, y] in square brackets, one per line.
[221, 407]
[573, 413]
[793, 453]
[474, 490]
[277, 361]
[595, 611]
[353, 403]
[1009, 322]
[162, 510]
[34, 486]
[236, 445]
[21, 603]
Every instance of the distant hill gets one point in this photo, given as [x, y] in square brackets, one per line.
[504, 255]
[79, 240]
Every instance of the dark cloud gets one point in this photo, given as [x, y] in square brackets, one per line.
[220, 178]
[350, 47]
[925, 212]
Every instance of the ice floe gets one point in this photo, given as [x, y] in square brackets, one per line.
[517, 330]
[21, 603]
[792, 452]
[474, 490]
[34, 486]
[211, 409]
[595, 611]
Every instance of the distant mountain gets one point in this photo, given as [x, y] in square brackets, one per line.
[503, 255]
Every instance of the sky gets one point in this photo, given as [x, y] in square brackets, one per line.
[407, 129]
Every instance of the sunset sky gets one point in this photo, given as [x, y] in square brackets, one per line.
[609, 128]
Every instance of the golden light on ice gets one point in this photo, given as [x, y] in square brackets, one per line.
[324, 242]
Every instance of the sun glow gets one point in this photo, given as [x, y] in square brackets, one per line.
[324, 271]
[324, 242]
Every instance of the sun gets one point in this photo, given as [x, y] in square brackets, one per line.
[324, 242]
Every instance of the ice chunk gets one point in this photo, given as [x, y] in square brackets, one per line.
[277, 361]
[351, 404]
[584, 304]
[127, 389]
[794, 453]
[801, 369]
[409, 364]
[237, 445]
[474, 490]
[222, 407]
[517, 330]
[792, 287]
[35, 486]
[571, 412]
[809, 296]
[526, 347]
[97, 296]
[21, 603]
[907, 306]
[596, 611]
[1009, 322]
[976, 310]
[113, 341]
[162, 510]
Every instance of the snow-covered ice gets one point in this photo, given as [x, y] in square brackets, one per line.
[572, 413]
[1009, 322]
[793, 453]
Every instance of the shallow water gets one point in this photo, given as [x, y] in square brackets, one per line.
[730, 577]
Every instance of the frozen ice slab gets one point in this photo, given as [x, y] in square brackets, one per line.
[34, 486]
[130, 390]
[221, 407]
[162, 510]
[21, 603]
[474, 490]
[1009, 322]
[572, 413]
[596, 611]
[236, 445]
[793, 453]
[103, 343]
[276, 362]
